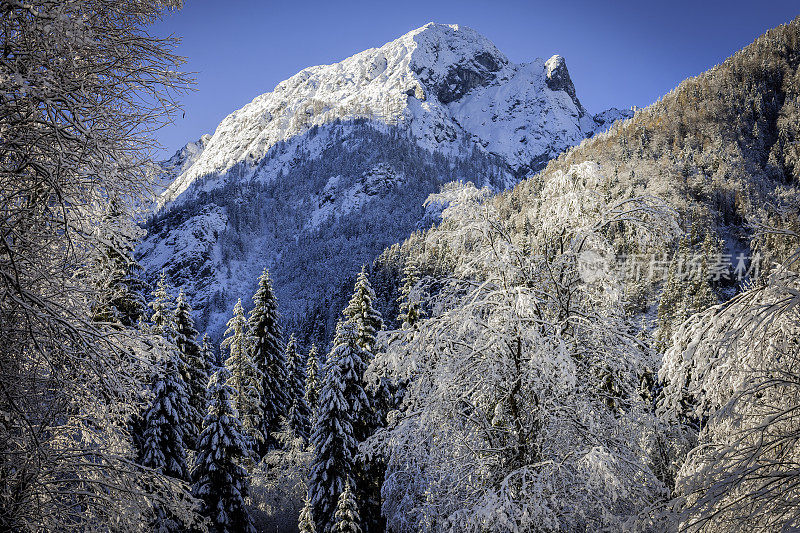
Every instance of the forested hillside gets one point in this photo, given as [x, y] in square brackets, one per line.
[540, 372]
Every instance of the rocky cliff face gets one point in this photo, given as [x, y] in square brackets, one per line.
[353, 149]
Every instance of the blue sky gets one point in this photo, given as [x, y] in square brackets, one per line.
[619, 53]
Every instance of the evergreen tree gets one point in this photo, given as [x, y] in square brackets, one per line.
[410, 311]
[342, 403]
[163, 326]
[369, 472]
[210, 358]
[306, 522]
[313, 385]
[195, 365]
[362, 314]
[219, 478]
[166, 423]
[266, 352]
[299, 417]
[245, 376]
[347, 518]
[163, 317]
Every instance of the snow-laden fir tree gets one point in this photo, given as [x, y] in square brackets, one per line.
[163, 327]
[195, 365]
[219, 477]
[266, 352]
[245, 375]
[347, 517]
[167, 422]
[361, 312]
[342, 402]
[163, 317]
[210, 357]
[410, 311]
[299, 417]
[306, 521]
[369, 472]
[313, 383]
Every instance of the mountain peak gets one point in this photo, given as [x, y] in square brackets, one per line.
[558, 79]
[452, 60]
[444, 83]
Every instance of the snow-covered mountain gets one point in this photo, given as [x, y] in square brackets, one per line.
[353, 148]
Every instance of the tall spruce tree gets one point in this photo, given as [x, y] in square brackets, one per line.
[163, 317]
[369, 471]
[195, 366]
[342, 403]
[219, 477]
[299, 418]
[313, 384]
[245, 375]
[211, 358]
[266, 351]
[410, 311]
[347, 517]
[166, 421]
[361, 312]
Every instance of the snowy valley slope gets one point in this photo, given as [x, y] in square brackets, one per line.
[318, 176]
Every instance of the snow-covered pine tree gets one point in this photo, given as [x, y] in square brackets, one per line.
[163, 317]
[313, 384]
[342, 402]
[347, 517]
[306, 522]
[369, 472]
[166, 423]
[195, 366]
[410, 311]
[219, 477]
[163, 445]
[245, 375]
[266, 351]
[362, 314]
[165, 419]
[299, 417]
[163, 327]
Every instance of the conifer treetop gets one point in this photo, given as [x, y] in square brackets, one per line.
[361, 312]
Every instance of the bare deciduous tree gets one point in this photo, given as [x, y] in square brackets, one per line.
[82, 88]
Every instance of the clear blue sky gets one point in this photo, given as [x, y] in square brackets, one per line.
[619, 53]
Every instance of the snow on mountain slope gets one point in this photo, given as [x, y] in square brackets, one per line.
[318, 176]
[185, 157]
[443, 82]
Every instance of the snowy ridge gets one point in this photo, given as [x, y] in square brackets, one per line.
[442, 82]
